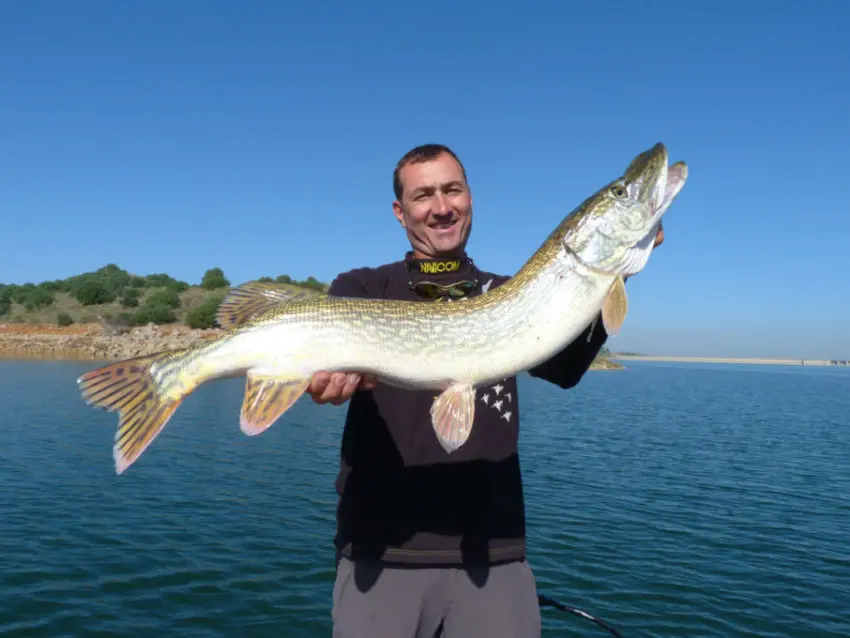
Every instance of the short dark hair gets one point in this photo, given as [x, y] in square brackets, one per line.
[422, 153]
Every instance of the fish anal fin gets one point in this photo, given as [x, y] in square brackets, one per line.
[144, 409]
[266, 399]
[452, 414]
[253, 298]
[615, 307]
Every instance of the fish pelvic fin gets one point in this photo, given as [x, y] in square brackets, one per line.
[251, 299]
[452, 414]
[615, 307]
[267, 397]
[143, 405]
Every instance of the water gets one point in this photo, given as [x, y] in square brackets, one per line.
[670, 500]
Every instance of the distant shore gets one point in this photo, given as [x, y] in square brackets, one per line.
[749, 360]
[92, 342]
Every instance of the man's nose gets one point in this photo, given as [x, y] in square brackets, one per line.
[442, 206]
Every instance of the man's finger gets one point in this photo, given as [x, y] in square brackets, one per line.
[318, 383]
[334, 387]
[321, 388]
[338, 387]
[352, 380]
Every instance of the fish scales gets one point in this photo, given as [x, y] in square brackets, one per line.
[451, 344]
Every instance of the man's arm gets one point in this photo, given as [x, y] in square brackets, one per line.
[337, 387]
[567, 367]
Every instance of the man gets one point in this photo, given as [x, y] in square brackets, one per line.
[428, 541]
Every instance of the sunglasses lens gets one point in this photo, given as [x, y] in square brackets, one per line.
[432, 290]
[427, 289]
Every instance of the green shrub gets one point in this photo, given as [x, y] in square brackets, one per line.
[113, 278]
[131, 298]
[214, 279]
[38, 298]
[50, 286]
[159, 280]
[91, 292]
[64, 319]
[165, 297]
[138, 283]
[312, 283]
[178, 286]
[154, 314]
[21, 293]
[204, 315]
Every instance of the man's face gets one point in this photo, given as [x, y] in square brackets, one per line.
[435, 207]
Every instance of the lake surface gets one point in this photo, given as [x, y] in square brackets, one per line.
[667, 499]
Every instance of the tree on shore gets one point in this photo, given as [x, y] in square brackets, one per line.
[214, 279]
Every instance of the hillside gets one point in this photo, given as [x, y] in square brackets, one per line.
[114, 297]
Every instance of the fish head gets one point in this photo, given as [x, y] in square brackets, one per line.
[614, 230]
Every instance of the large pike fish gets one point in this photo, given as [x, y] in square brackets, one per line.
[278, 338]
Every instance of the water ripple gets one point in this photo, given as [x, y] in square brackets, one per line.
[669, 500]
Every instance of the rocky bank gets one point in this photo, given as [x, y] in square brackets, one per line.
[605, 364]
[95, 342]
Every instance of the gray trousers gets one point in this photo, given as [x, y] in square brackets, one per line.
[372, 601]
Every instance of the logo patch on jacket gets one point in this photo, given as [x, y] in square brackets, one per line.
[496, 398]
[434, 267]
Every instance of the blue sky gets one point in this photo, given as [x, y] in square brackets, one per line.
[260, 137]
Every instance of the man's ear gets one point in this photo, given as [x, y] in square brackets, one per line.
[398, 211]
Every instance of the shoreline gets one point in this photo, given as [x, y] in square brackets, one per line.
[92, 342]
[724, 360]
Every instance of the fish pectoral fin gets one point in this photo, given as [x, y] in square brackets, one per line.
[266, 398]
[452, 414]
[128, 387]
[253, 298]
[615, 307]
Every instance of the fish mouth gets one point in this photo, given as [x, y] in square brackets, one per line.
[649, 179]
[677, 174]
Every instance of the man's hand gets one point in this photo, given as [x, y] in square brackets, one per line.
[659, 237]
[337, 387]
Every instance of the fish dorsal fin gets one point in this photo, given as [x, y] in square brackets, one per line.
[250, 299]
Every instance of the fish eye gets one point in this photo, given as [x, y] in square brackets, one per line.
[618, 190]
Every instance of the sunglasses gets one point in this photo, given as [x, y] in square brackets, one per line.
[431, 290]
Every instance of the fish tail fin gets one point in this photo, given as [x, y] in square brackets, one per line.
[144, 404]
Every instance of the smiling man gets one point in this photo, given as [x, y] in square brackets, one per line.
[436, 210]
[431, 543]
